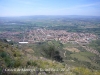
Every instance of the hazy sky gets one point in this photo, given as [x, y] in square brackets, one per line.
[49, 7]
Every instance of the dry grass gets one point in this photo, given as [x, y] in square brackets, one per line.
[72, 49]
[29, 51]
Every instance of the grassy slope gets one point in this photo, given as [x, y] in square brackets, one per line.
[25, 58]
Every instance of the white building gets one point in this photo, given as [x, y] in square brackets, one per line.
[23, 42]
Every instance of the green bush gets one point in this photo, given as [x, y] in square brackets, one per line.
[17, 63]
[34, 63]
[51, 53]
[28, 62]
[3, 54]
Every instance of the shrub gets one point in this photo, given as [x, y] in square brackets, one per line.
[17, 63]
[3, 54]
[34, 63]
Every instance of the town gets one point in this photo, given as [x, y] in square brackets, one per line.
[40, 35]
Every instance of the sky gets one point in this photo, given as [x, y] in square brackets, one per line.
[49, 7]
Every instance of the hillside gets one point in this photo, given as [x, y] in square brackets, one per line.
[37, 58]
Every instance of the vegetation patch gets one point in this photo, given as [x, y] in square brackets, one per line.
[80, 57]
[72, 49]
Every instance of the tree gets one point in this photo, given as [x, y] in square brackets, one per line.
[52, 53]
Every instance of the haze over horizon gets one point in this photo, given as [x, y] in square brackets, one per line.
[11, 8]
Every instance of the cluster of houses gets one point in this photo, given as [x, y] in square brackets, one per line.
[63, 36]
[40, 35]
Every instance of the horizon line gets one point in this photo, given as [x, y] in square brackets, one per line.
[52, 15]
